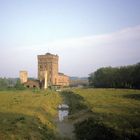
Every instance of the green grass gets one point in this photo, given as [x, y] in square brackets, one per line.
[97, 114]
[114, 109]
[28, 114]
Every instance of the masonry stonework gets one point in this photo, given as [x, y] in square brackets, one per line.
[48, 73]
[49, 63]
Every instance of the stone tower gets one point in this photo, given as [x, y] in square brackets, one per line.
[48, 63]
[23, 76]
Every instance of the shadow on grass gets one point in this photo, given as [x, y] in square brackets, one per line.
[18, 126]
[91, 129]
[74, 101]
[132, 96]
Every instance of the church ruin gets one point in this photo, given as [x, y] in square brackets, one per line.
[48, 73]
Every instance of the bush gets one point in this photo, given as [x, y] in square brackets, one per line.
[19, 86]
[92, 130]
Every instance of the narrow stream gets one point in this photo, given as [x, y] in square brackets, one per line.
[65, 127]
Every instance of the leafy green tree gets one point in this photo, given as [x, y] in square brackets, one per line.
[19, 86]
[119, 77]
[3, 83]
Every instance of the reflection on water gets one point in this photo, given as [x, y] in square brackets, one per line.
[62, 112]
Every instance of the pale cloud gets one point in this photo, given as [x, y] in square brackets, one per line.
[128, 34]
[78, 56]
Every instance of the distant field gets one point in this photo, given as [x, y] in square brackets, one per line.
[27, 115]
[113, 113]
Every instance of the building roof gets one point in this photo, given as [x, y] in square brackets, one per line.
[61, 73]
[50, 54]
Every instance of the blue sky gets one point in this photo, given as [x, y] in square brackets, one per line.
[86, 34]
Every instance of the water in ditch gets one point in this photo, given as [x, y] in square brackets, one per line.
[63, 111]
[65, 127]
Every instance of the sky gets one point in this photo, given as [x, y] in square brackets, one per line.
[86, 34]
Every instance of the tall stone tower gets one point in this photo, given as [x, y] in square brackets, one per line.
[23, 76]
[48, 63]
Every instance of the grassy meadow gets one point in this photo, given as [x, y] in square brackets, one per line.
[105, 113]
[27, 114]
[101, 114]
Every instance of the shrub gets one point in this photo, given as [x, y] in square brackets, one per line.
[19, 86]
[92, 130]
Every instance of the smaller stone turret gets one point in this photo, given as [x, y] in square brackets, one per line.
[23, 76]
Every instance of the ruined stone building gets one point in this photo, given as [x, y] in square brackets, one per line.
[28, 82]
[48, 73]
[48, 68]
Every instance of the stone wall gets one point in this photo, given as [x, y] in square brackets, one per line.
[62, 80]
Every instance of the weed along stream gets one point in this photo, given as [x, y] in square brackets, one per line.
[64, 126]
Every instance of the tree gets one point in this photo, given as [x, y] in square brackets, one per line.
[118, 77]
[19, 86]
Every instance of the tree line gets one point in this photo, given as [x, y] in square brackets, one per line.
[116, 77]
[10, 83]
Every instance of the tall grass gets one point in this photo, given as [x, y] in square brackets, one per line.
[115, 109]
[28, 114]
